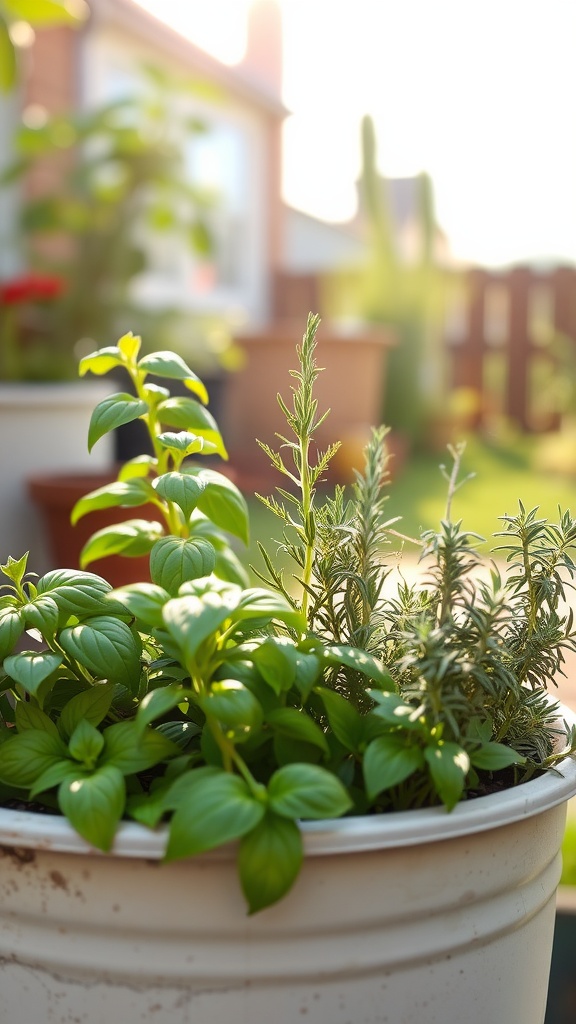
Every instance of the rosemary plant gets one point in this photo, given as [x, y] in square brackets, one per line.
[471, 649]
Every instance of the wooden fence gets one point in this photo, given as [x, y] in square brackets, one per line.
[510, 340]
[515, 344]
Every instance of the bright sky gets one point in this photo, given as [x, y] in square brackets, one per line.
[479, 93]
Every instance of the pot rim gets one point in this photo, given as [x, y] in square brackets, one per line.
[29, 829]
[53, 393]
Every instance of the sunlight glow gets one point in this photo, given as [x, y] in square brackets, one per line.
[479, 94]
[219, 27]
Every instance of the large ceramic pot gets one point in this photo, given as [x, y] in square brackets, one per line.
[420, 917]
[43, 428]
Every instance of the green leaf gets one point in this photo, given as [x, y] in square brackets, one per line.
[494, 756]
[7, 58]
[182, 489]
[42, 613]
[108, 647]
[75, 592]
[395, 710]
[29, 716]
[187, 414]
[340, 654]
[11, 629]
[269, 861]
[297, 725]
[30, 668]
[185, 443]
[157, 703]
[449, 765]
[179, 792]
[174, 560]
[307, 791]
[181, 733]
[23, 758]
[145, 601]
[277, 661]
[288, 750]
[132, 750]
[45, 12]
[94, 804]
[139, 466]
[112, 412]
[234, 706]
[345, 721]
[92, 705]
[129, 345]
[257, 603]
[388, 761]
[190, 620]
[117, 494]
[53, 776]
[308, 671]
[132, 537]
[227, 566]
[100, 362]
[147, 808]
[15, 570]
[170, 365]
[86, 744]
[222, 502]
[219, 810]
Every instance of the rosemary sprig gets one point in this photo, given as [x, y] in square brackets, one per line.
[298, 511]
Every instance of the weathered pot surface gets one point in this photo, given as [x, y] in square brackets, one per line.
[420, 917]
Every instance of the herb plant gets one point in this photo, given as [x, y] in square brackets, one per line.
[195, 507]
[231, 712]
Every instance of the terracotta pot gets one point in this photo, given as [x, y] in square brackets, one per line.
[43, 428]
[55, 496]
[418, 917]
[351, 386]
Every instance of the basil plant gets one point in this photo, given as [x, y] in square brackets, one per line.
[223, 712]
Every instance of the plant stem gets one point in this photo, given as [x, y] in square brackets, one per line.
[456, 453]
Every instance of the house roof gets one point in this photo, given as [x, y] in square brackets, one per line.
[311, 245]
[141, 24]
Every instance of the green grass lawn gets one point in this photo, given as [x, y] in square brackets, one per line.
[569, 852]
[504, 474]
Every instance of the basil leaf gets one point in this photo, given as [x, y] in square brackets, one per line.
[307, 791]
[94, 804]
[269, 861]
[388, 761]
[449, 765]
[222, 808]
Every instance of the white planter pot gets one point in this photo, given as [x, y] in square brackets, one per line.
[43, 428]
[420, 917]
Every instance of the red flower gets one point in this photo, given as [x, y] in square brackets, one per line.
[30, 288]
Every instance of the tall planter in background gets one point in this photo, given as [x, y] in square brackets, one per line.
[43, 428]
[54, 496]
[352, 387]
